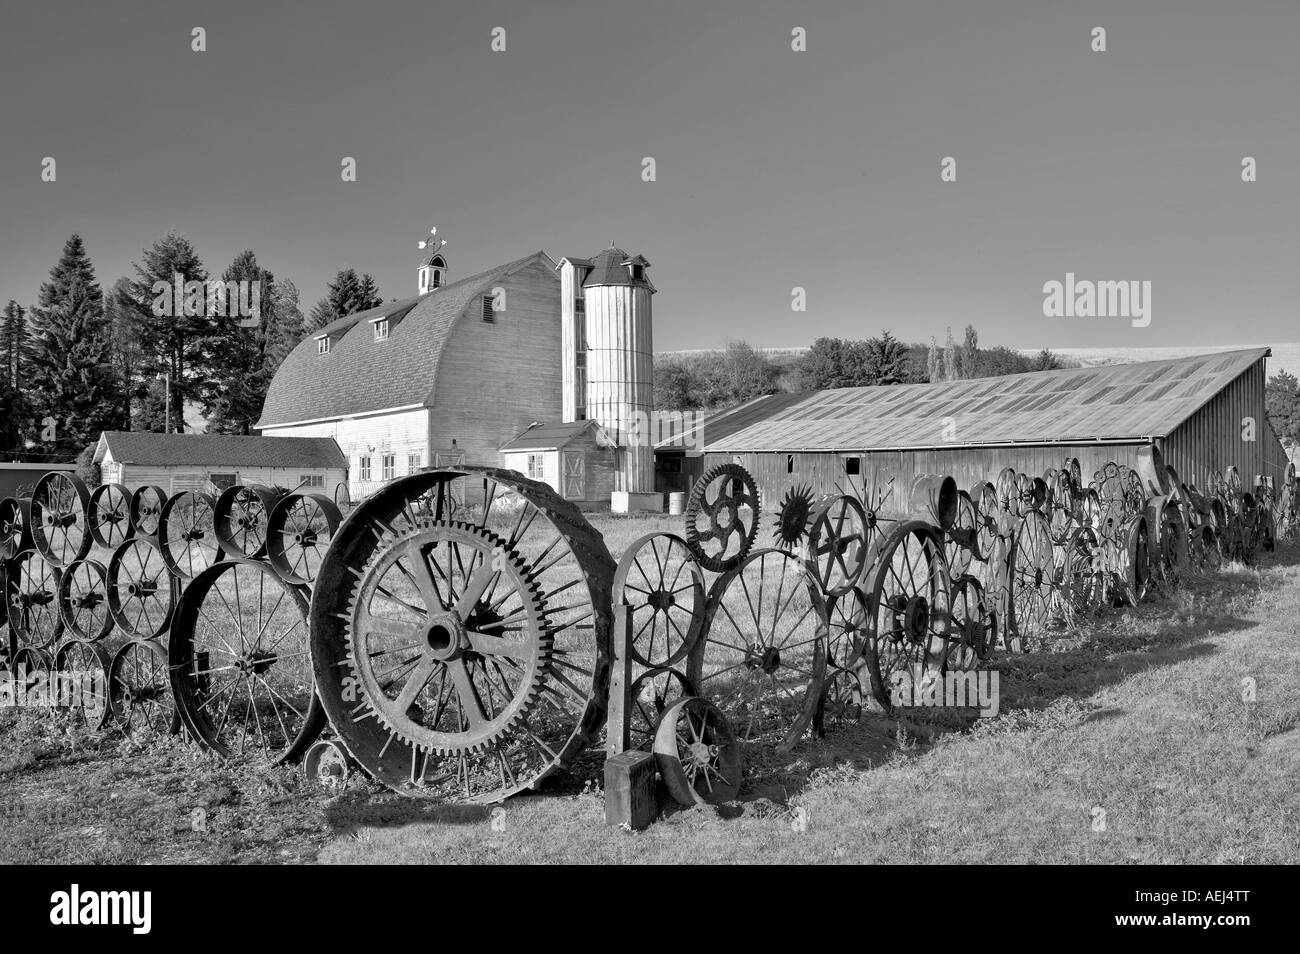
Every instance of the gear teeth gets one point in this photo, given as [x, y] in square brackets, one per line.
[697, 505]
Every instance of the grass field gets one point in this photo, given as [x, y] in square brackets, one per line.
[1129, 742]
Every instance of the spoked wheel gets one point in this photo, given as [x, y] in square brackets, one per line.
[240, 518]
[839, 544]
[83, 600]
[83, 672]
[962, 539]
[61, 518]
[722, 517]
[652, 693]
[1083, 584]
[140, 693]
[464, 659]
[842, 697]
[1062, 507]
[697, 752]
[327, 765]
[984, 497]
[140, 590]
[30, 668]
[146, 509]
[1203, 550]
[762, 655]
[1133, 575]
[662, 584]
[1034, 587]
[298, 532]
[241, 666]
[110, 515]
[32, 600]
[909, 594]
[974, 624]
[15, 526]
[187, 534]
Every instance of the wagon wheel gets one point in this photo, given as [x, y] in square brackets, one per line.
[83, 600]
[1031, 493]
[652, 693]
[61, 518]
[327, 765]
[1133, 574]
[25, 665]
[961, 540]
[1008, 496]
[722, 517]
[1062, 509]
[974, 624]
[240, 520]
[464, 660]
[840, 544]
[662, 584]
[762, 654]
[298, 532]
[146, 508]
[1232, 484]
[1090, 513]
[697, 752]
[110, 515]
[140, 692]
[985, 498]
[909, 622]
[32, 599]
[140, 590]
[842, 697]
[1169, 548]
[1033, 583]
[187, 534]
[241, 667]
[1072, 467]
[15, 526]
[87, 664]
[1203, 550]
[1083, 582]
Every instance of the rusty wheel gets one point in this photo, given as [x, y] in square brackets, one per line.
[31, 667]
[662, 584]
[722, 517]
[146, 508]
[32, 599]
[842, 697]
[140, 590]
[961, 540]
[298, 532]
[839, 544]
[974, 624]
[140, 693]
[792, 518]
[699, 758]
[187, 534]
[1033, 583]
[652, 693]
[327, 766]
[61, 518]
[83, 600]
[1083, 583]
[110, 515]
[82, 669]
[240, 520]
[984, 496]
[15, 526]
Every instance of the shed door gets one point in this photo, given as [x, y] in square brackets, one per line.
[575, 474]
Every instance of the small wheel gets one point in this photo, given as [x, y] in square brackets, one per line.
[652, 693]
[961, 539]
[974, 623]
[842, 696]
[984, 496]
[240, 664]
[240, 517]
[839, 544]
[146, 510]
[140, 590]
[1033, 582]
[15, 526]
[86, 665]
[1083, 585]
[1008, 494]
[140, 693]
[187, 535]
[32, 600]
[662, 584]
[110, 515]
[762, 654]
[83, 600]
[298, 532]
[61, 518]
[722, 517]
[1133, 576]
[327, 766]
[30, 668]
[697, 752]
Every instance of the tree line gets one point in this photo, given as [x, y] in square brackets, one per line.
[81, 360]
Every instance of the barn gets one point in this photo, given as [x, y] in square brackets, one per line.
[576, 459]
[213, 462]
[1204, 413]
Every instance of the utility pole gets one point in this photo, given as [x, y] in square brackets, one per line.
[167, 379]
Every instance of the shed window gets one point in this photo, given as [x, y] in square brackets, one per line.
[489, 312]
[414, 462]
[381, 329]
[323, 345]
[312, 480]
[536, 466]
[789, 463]
[853, 466]
[390, 464]
[363, 465]
[223, 481]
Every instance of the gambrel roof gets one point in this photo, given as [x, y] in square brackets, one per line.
[1118, 402]
[361, 375]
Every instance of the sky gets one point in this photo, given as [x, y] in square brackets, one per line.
[775, 169]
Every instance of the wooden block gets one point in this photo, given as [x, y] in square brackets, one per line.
[630, 789]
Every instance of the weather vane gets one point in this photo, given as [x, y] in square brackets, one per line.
[432, 240]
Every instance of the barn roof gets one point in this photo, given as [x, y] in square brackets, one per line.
[359, 374]
[708, 428]
[554, 436]
[1076, 405]
[218, 450]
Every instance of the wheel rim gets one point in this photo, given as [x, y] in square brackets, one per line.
[662, 584]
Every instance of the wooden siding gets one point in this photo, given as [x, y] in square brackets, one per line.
[400, 433]
[600, 468]
[175, 480]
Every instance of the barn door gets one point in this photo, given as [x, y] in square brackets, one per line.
[575, 474]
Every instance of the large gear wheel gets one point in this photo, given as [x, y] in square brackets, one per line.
[793, 516]
[457, 678]
[722, 517]
[463, 659]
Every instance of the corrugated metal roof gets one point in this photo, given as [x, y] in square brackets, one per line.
[1077, 405]
[218, 450]
[719, 425]
[555, 436]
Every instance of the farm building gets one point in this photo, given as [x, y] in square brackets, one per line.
[461, 372]
[17, 479]
[1204, 413]
[213, 462]
[577, 459]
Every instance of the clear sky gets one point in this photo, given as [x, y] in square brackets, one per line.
[775, 168]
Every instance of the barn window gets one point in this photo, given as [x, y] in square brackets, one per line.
[414, 462]
[381, 329]
[636, 271]
[390, 465]
[789, 463]
[853, 466]
[312, 480]
[323, 345]
[670, 465]
[363, 465]
[223, 481]
[489, 312]
[536, 466]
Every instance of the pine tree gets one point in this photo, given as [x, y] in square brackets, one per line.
[950, 358]
[346, 295]
[127, 353]
[970, 353]
[368, 294]
[172, 342]
[72, 383]
[15, 345]
[932, 368]
[234, 367]
[288, 326]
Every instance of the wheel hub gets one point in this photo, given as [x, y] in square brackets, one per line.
[769, 660]
[916, 618]
[702, 753]
[445, 637]
[255, 663]
[662, 600]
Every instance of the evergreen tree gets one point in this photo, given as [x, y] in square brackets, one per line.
[173, 343]
[368, 294]
[288, 326]
[969, 353]
[235, 376]
[72, 382]
[950, 358]
[346, 295]
[127, 355]
[15, 345]
[933, 371]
